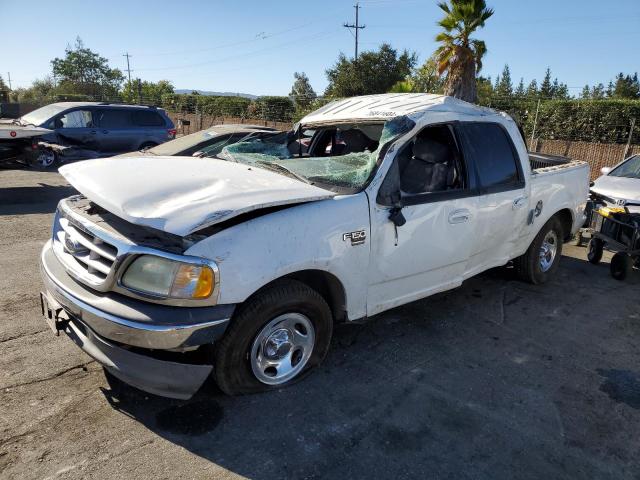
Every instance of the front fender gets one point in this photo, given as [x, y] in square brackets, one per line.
[309, 236]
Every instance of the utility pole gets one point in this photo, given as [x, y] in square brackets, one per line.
[357, 27]
[128, 68]
[139, 91]
[9, 80]
[535, 123]
[628, 145]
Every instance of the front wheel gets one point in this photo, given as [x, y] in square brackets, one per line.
[43, 159]
[275, 338]
[595, 250]
[542, 258]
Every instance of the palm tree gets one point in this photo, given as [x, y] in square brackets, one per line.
[459, 55]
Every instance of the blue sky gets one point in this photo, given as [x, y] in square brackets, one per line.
[255, 46]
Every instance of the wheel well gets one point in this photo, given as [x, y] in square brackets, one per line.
[328, 286]
[566, 220]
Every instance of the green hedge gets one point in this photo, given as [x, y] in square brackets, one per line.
[71, 97]
[602, 121]
[274, 108]
[267, 108]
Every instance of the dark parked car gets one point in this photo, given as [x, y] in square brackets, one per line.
[209, 142]
[91, 129]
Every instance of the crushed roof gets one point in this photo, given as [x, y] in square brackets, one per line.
[390, 105]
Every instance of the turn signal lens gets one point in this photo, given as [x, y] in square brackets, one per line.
[192, 281]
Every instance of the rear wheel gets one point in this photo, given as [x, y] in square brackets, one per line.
[275, 338]
[542, 258]
[147, 145]
[621, 265]
[595, 250]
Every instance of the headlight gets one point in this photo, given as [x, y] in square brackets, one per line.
[168, 278]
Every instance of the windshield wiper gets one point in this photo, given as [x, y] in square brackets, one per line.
[285, 170]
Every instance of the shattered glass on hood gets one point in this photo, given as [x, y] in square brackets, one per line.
[352, 170]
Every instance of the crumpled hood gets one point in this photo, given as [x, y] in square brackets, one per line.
[618, 188]
[180, 195]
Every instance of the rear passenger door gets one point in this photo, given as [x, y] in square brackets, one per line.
[149, 127]
[503, 203]
[114, 130]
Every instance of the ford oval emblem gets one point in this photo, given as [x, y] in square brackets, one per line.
[73, 246]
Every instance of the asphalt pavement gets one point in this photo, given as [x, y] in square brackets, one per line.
[497, 379]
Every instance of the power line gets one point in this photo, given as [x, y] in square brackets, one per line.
[357, 27]
[270, 49]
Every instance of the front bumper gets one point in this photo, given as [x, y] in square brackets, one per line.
[160, 377]
[130, 321]
[106, 326]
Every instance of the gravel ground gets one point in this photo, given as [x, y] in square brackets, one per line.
[496, 379]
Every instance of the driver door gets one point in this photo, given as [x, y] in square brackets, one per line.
[429, 253]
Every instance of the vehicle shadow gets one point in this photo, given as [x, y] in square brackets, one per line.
[458, 385]
[30, 199]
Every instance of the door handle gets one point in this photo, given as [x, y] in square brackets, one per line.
[459, 216]
[92, 132]
[105, 131]
[519, 202]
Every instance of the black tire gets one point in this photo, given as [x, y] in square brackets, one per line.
[43, 159]
[147, 145]
[621, 265]
[232, 367]
[595, 250]
[528, 265]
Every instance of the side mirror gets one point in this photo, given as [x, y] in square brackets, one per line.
[605, 170]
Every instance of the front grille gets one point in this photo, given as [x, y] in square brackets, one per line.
[83, 253]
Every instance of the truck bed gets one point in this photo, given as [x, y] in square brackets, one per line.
[541, 160]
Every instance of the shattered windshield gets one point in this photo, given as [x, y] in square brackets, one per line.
[342, 156]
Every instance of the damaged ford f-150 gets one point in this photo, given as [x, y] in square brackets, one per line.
[169, 269]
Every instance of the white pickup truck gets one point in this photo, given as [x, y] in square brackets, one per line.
[166, 269]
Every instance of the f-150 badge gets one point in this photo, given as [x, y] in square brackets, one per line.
[357, 238]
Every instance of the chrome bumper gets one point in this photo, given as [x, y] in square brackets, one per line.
[130, 321]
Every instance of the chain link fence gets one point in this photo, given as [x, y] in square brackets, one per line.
[600, 132]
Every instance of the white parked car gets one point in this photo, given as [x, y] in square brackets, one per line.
[620, 185]
[168, 268]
